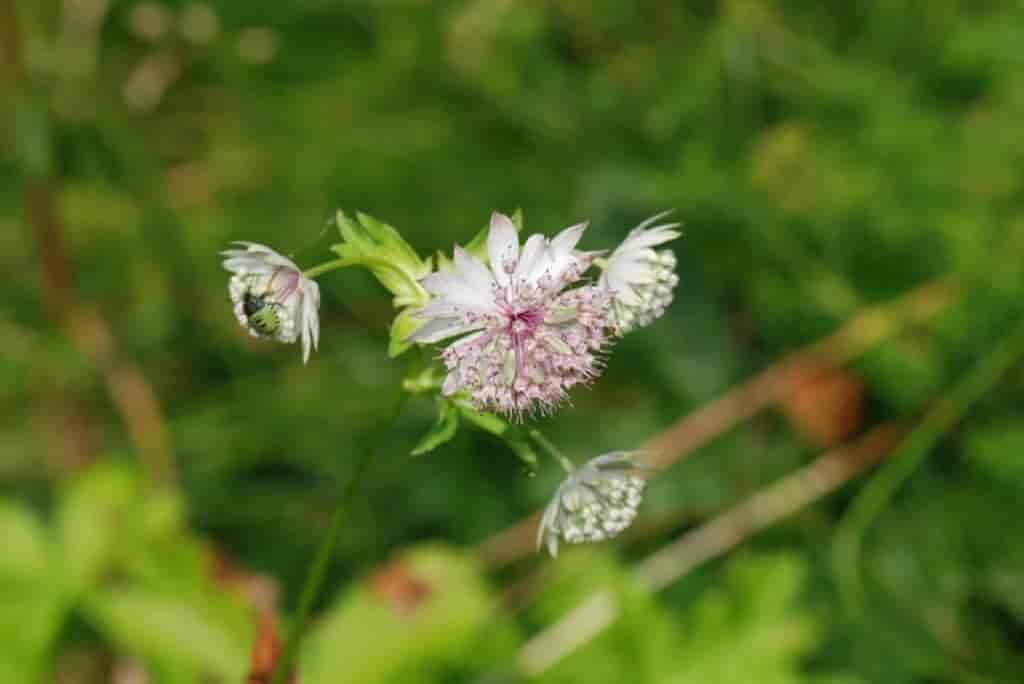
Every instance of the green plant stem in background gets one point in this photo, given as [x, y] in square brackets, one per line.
[555, 453]
[877, 493]
[318, 569]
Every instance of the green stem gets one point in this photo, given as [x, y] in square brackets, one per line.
[552, 450]
[877, 493]
[329, 266]
[414, 294]
[318, 569]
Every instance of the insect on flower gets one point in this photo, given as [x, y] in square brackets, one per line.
[263, 316]
[527, 331]
[271, 297]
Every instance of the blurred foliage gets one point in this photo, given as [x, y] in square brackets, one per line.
[116, 563]
[823, 156]
[750, 621]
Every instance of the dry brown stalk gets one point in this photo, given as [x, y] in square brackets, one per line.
[712, 539]
[130, 392]
[859, 334]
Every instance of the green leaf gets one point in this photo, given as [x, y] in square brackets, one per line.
[995, 449]
[26, 548]
[33, 606]
[513, 436]
[435, 615]
[751, 620]
[427, 380]
[522, 448]
[404, 325]
[488, 422]
[169, 631]
[444, 262]
[90, 520]
[30, 623]
[382, 250]
[443, 430]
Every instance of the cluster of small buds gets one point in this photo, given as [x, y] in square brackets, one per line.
[531, 334]
[654, 297]
[595, 502]
[609, 510]
[531, 353]
[640, 278]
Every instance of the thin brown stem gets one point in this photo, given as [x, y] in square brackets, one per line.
[862, 332]
[710, 540]
[130, 392]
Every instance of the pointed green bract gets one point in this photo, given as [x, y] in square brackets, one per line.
[443, 431]
[386, 254]
[514, 437]
[395, 264]
[404, 325]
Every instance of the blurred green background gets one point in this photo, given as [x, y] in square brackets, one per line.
[162, 476]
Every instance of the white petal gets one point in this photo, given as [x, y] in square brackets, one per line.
[243, 262]
[300, 315]
[310, 317]
[545, 522]
[553, 545]
[566, 241]
[439, 329]
[441, 283]
[643, 237]
[451, 385]
[256, 253]
[475, 274]
[654, 219]
[502, 246]
[457, 291]
[439, 308]
[620, 287]
[561, 250]
[532, 260]
[631, 271]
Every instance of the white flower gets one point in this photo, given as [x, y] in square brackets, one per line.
[642, 280]
[527, 337]
[271, 296]
[595, 502]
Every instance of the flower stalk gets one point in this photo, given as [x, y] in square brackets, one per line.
[327, 267]
[553, 451]
[318, 568]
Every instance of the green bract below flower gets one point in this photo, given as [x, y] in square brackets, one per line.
[595, 502]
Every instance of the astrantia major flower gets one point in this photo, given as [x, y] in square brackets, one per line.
[595, 502]
[641, 279]
[271, 297]
[526, 334]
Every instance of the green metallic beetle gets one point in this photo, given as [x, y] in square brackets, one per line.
[264, 317]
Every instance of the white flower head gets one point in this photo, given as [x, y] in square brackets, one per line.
[595, 502]
[527, 335]
[641, 279]
[271, 297]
